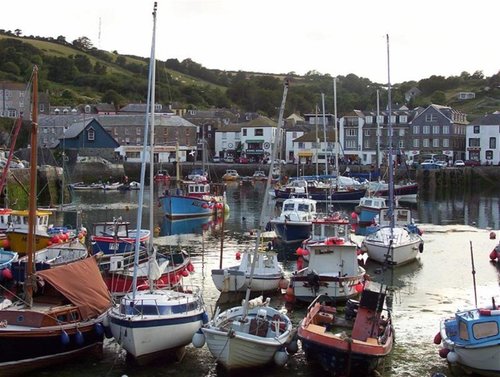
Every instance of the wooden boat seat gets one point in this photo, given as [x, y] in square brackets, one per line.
[258, 327]
[372, 341]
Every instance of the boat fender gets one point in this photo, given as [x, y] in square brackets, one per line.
[493, 254]
[489, 312]
[238, 255]
[300, 263]
[190, 267]
[204, 318]
[99, 329]
[292, 347]
[198, 339]
[64, 338]
[421, 247]
[280, 357]
[452, 357]
[443, 353]
[79, 338]
[437, 338]
[7, 274]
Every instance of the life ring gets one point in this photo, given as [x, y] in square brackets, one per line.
[334, 241]
[489, 312]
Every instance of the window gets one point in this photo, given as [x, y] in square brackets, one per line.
[445, 130]
[485, 329]
[493, 142]
[489, 155]
[91, 134]
[351, 144]
[435, 143]
[380, 119]
[12, 113]
[401, 143]
[366, 144]
[430, 117]
[446, 143]
[393, 119]
[401, 132]
[474, 142]
[301, 145]
[138, 140]
[403, 119]
[367, 132]
[390, 133]
[416, 130]
[369, 119]
[259, 132]
[351, 132]
[244, 132]
[462, 331]
[435, 130]
[476, 129]
[425, 143]
[224, 136]
[426, 130]
[138, 131]
[416, 143]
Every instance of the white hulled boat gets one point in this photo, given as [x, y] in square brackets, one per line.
[152, 322]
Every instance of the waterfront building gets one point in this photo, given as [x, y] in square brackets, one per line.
[483, 139]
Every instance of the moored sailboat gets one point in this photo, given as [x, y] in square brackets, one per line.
[150, 323]
[61, 318]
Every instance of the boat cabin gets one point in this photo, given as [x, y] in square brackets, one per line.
[19, 220]
[298, 209]
[477, 326]
[373, 202]
[111, 229]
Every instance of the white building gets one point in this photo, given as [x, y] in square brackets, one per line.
[483, 139]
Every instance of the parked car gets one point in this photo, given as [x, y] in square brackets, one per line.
[472, 163]
[216, 159]
[441, 163]
[229, 159]
[243, 160]
[459, 163]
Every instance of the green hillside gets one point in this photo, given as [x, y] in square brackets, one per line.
[76, 73]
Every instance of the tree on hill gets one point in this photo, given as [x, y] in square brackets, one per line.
[82, 43]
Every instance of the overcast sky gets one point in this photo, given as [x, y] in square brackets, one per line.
[427, 37]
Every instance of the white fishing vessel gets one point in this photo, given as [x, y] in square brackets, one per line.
[152, 322]
[268, 274]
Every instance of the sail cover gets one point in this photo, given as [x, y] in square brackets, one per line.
[82, 284]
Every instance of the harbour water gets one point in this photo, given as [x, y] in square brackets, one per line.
[435, 286]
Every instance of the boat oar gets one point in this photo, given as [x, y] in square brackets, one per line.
[473, 273]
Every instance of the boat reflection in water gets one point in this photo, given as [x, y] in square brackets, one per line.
[188, 226]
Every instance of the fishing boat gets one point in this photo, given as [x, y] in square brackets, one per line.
[44, 234]
[353, 345]
[152, 322]
[259, 175]
[231, 175]
[162, 176]
[392, 244]
[60, 316]
[193, 199]
[331, 264]
[115, 237]
[295, 221]
[372, 212]
[52, 256]
[254, 333]
[471, 338]
[268, 275]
